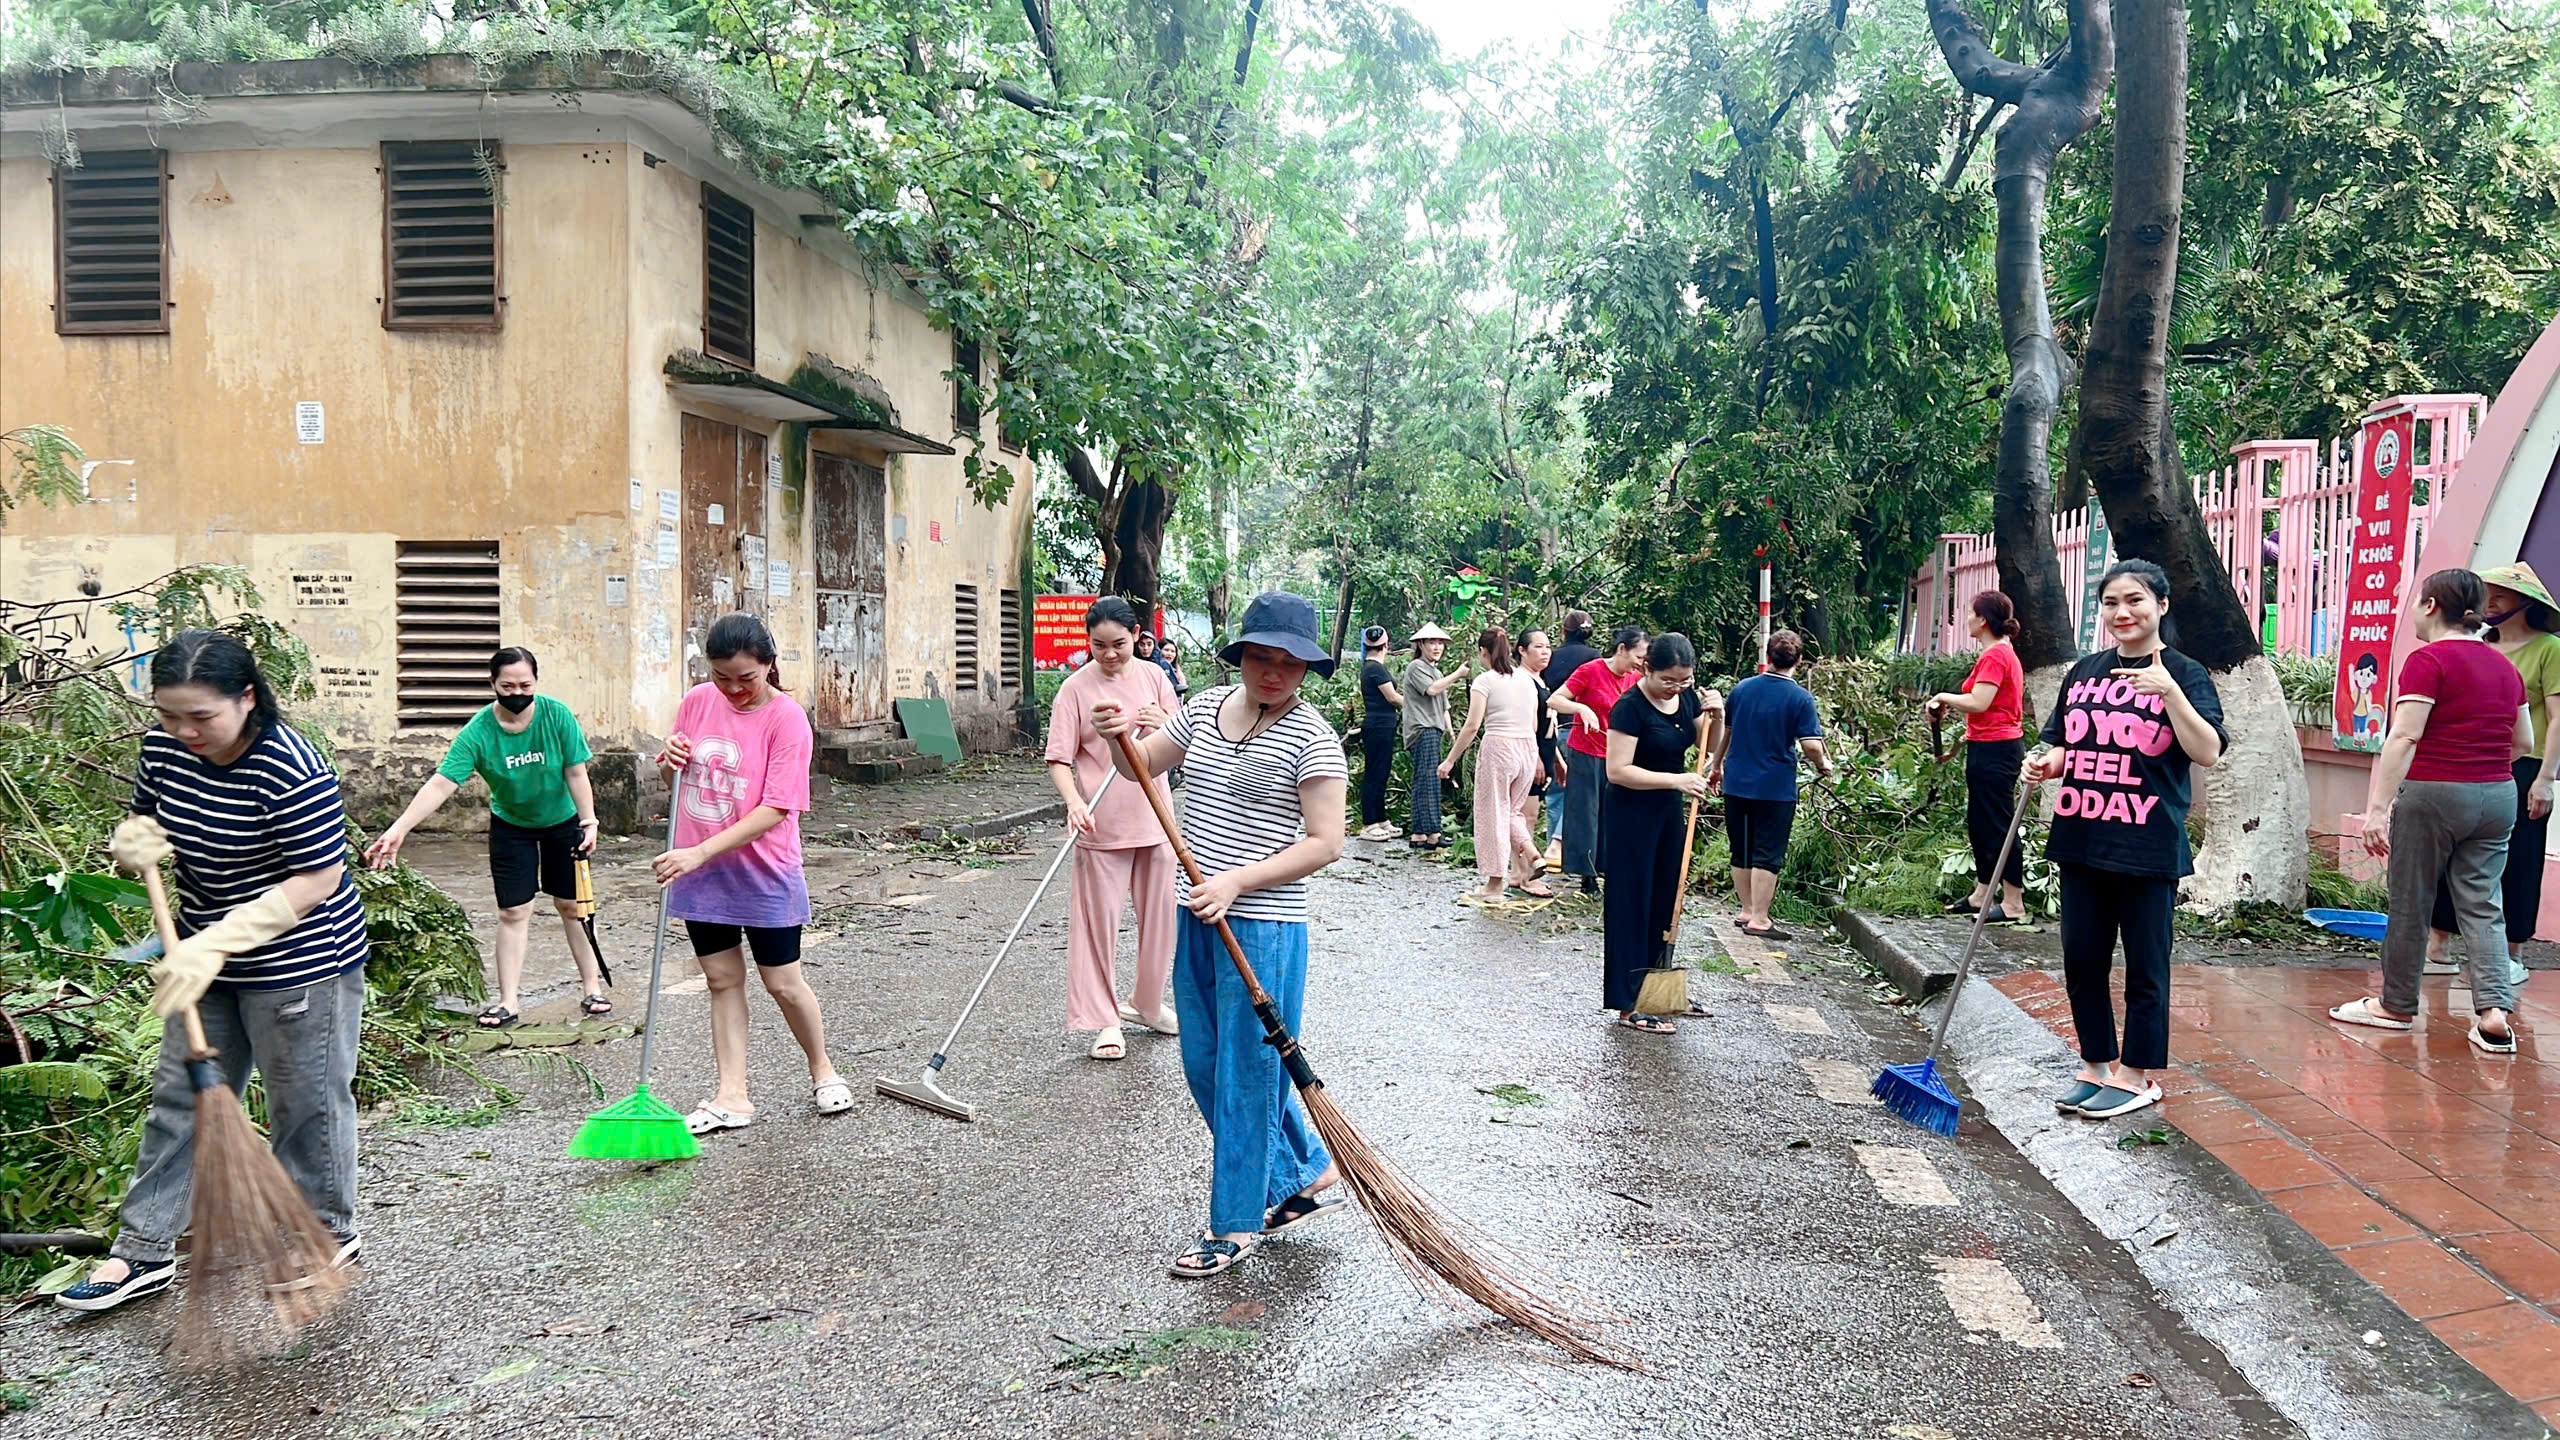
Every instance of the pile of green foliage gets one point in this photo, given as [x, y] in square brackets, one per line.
[78, 1041]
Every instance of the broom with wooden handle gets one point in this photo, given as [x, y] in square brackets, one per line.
[1665, 989]
[1442, 1252]
[262, 1267]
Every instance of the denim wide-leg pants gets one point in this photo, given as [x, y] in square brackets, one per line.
[1262, 1149]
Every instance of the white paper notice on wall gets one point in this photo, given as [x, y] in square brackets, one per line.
[778, 580]
[669, 507]
[773, 469]
[716, 515]
[667, 545]
[639, 494]
[617, 590]
[722, 593]
[310, 426]
[751, 554]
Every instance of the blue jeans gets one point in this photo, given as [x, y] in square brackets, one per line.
[1262, 1149]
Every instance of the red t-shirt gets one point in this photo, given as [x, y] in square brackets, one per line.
[2471, 732]
[1999, 665]
[1599, 687]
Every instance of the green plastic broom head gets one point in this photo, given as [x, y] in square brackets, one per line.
[643, 1127]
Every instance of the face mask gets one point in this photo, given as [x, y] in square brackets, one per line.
[514, 704]
[2504, 616]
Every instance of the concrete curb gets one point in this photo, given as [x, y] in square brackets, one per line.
[987, 828]
[2289, 1315]
[1922, 974]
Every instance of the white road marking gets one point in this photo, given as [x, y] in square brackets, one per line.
[1741, 949]
[1987, 1299]
[1903, 1175]
[1797, 1019]
[1839, 1082]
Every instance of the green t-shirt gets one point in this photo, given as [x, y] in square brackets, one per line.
[2539, 663]
[527, 772]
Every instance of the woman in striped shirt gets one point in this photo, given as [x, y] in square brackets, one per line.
[1262, 810]
[271, 951]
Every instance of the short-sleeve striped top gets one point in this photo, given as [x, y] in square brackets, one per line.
[240, 830]
[1240, 799]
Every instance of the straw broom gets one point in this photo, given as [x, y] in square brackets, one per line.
[1444, 1254]
[262, 1267]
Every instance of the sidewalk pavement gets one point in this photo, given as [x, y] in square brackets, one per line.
[2429, 1168]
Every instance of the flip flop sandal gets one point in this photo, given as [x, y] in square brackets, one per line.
[1301, 1207]
[2366, 1010]
[497, 1017]
[1650, 1025]
[707, 1119]
[1209, 1256]
[833, 1098]
[1534, 891]
[1771, 932]
[1162, 1022]
[596, 1006]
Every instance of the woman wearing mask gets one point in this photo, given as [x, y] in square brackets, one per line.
[1993, 703]
[1121, 856]
[1650, 731]
[1381, 706]
[2130, 724]
[2523, 621]
[1262, 812]
[1503, 705]
[542, 820]
[1426, 727]
[2443, 804]
[743, 748]
[271, 951]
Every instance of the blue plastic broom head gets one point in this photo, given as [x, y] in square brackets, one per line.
[1915, 1093]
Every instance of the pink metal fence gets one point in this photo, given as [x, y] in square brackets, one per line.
[2294, 498]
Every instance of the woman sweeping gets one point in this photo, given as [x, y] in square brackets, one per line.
[2522, 620]
[1380, 704]
[1426, 728]
[1502, 705]
[1993, 703]
[2443, 804]
[1263, 812]
[542, 820]
[271, 953]
[1121, 857]
[2131, 723]
[1650, 731]
[743, 748]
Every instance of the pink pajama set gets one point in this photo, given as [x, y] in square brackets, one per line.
[1505, 769]
[1124, 859]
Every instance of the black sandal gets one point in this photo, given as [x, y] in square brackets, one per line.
[1649, 1025]
[1213, 1256]
[596, 1006]
[497, 1017]
[1304, 1205]
[1770, 933]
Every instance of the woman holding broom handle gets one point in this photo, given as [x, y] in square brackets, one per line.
[2129, 724]
[1650, 729]
[1993, 703]
[735, 871]
[1121, 856]
[271, 953]
[1263, 811]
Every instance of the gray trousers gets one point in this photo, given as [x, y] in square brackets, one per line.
[302, 1043]
[2458, 831]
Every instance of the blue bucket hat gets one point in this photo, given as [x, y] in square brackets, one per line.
[1283, 622]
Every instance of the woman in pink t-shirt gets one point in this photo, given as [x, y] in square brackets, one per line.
[743, 748]
[1121, 852]
[1993, 703]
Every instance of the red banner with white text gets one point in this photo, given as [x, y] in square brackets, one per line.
[2385, 457]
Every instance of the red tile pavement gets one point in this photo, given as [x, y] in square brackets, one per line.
[2431, 1169]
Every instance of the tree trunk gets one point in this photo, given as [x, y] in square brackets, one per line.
[2255, 804]
[2056, 104]
[1139, 538]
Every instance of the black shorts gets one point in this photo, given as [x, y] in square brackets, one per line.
[772, 945]
[1757, 831]
[525, 862]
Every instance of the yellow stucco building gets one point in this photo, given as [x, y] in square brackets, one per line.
[448, 363]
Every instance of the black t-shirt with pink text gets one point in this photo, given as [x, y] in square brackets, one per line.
[2121, 803]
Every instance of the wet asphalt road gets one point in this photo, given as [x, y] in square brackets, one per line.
[889, 1272]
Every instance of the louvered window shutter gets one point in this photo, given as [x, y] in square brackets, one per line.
[111, 245]
[439, 235]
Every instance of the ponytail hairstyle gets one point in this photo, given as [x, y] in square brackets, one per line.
[1577, 627]
[741, 633]
[1785, 649]
[2458, 596]
[221, 664]
[1496, 645]
[514, 655]
[1997, 614]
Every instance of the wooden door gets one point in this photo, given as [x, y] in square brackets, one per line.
[723, 530]
[849, 509]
